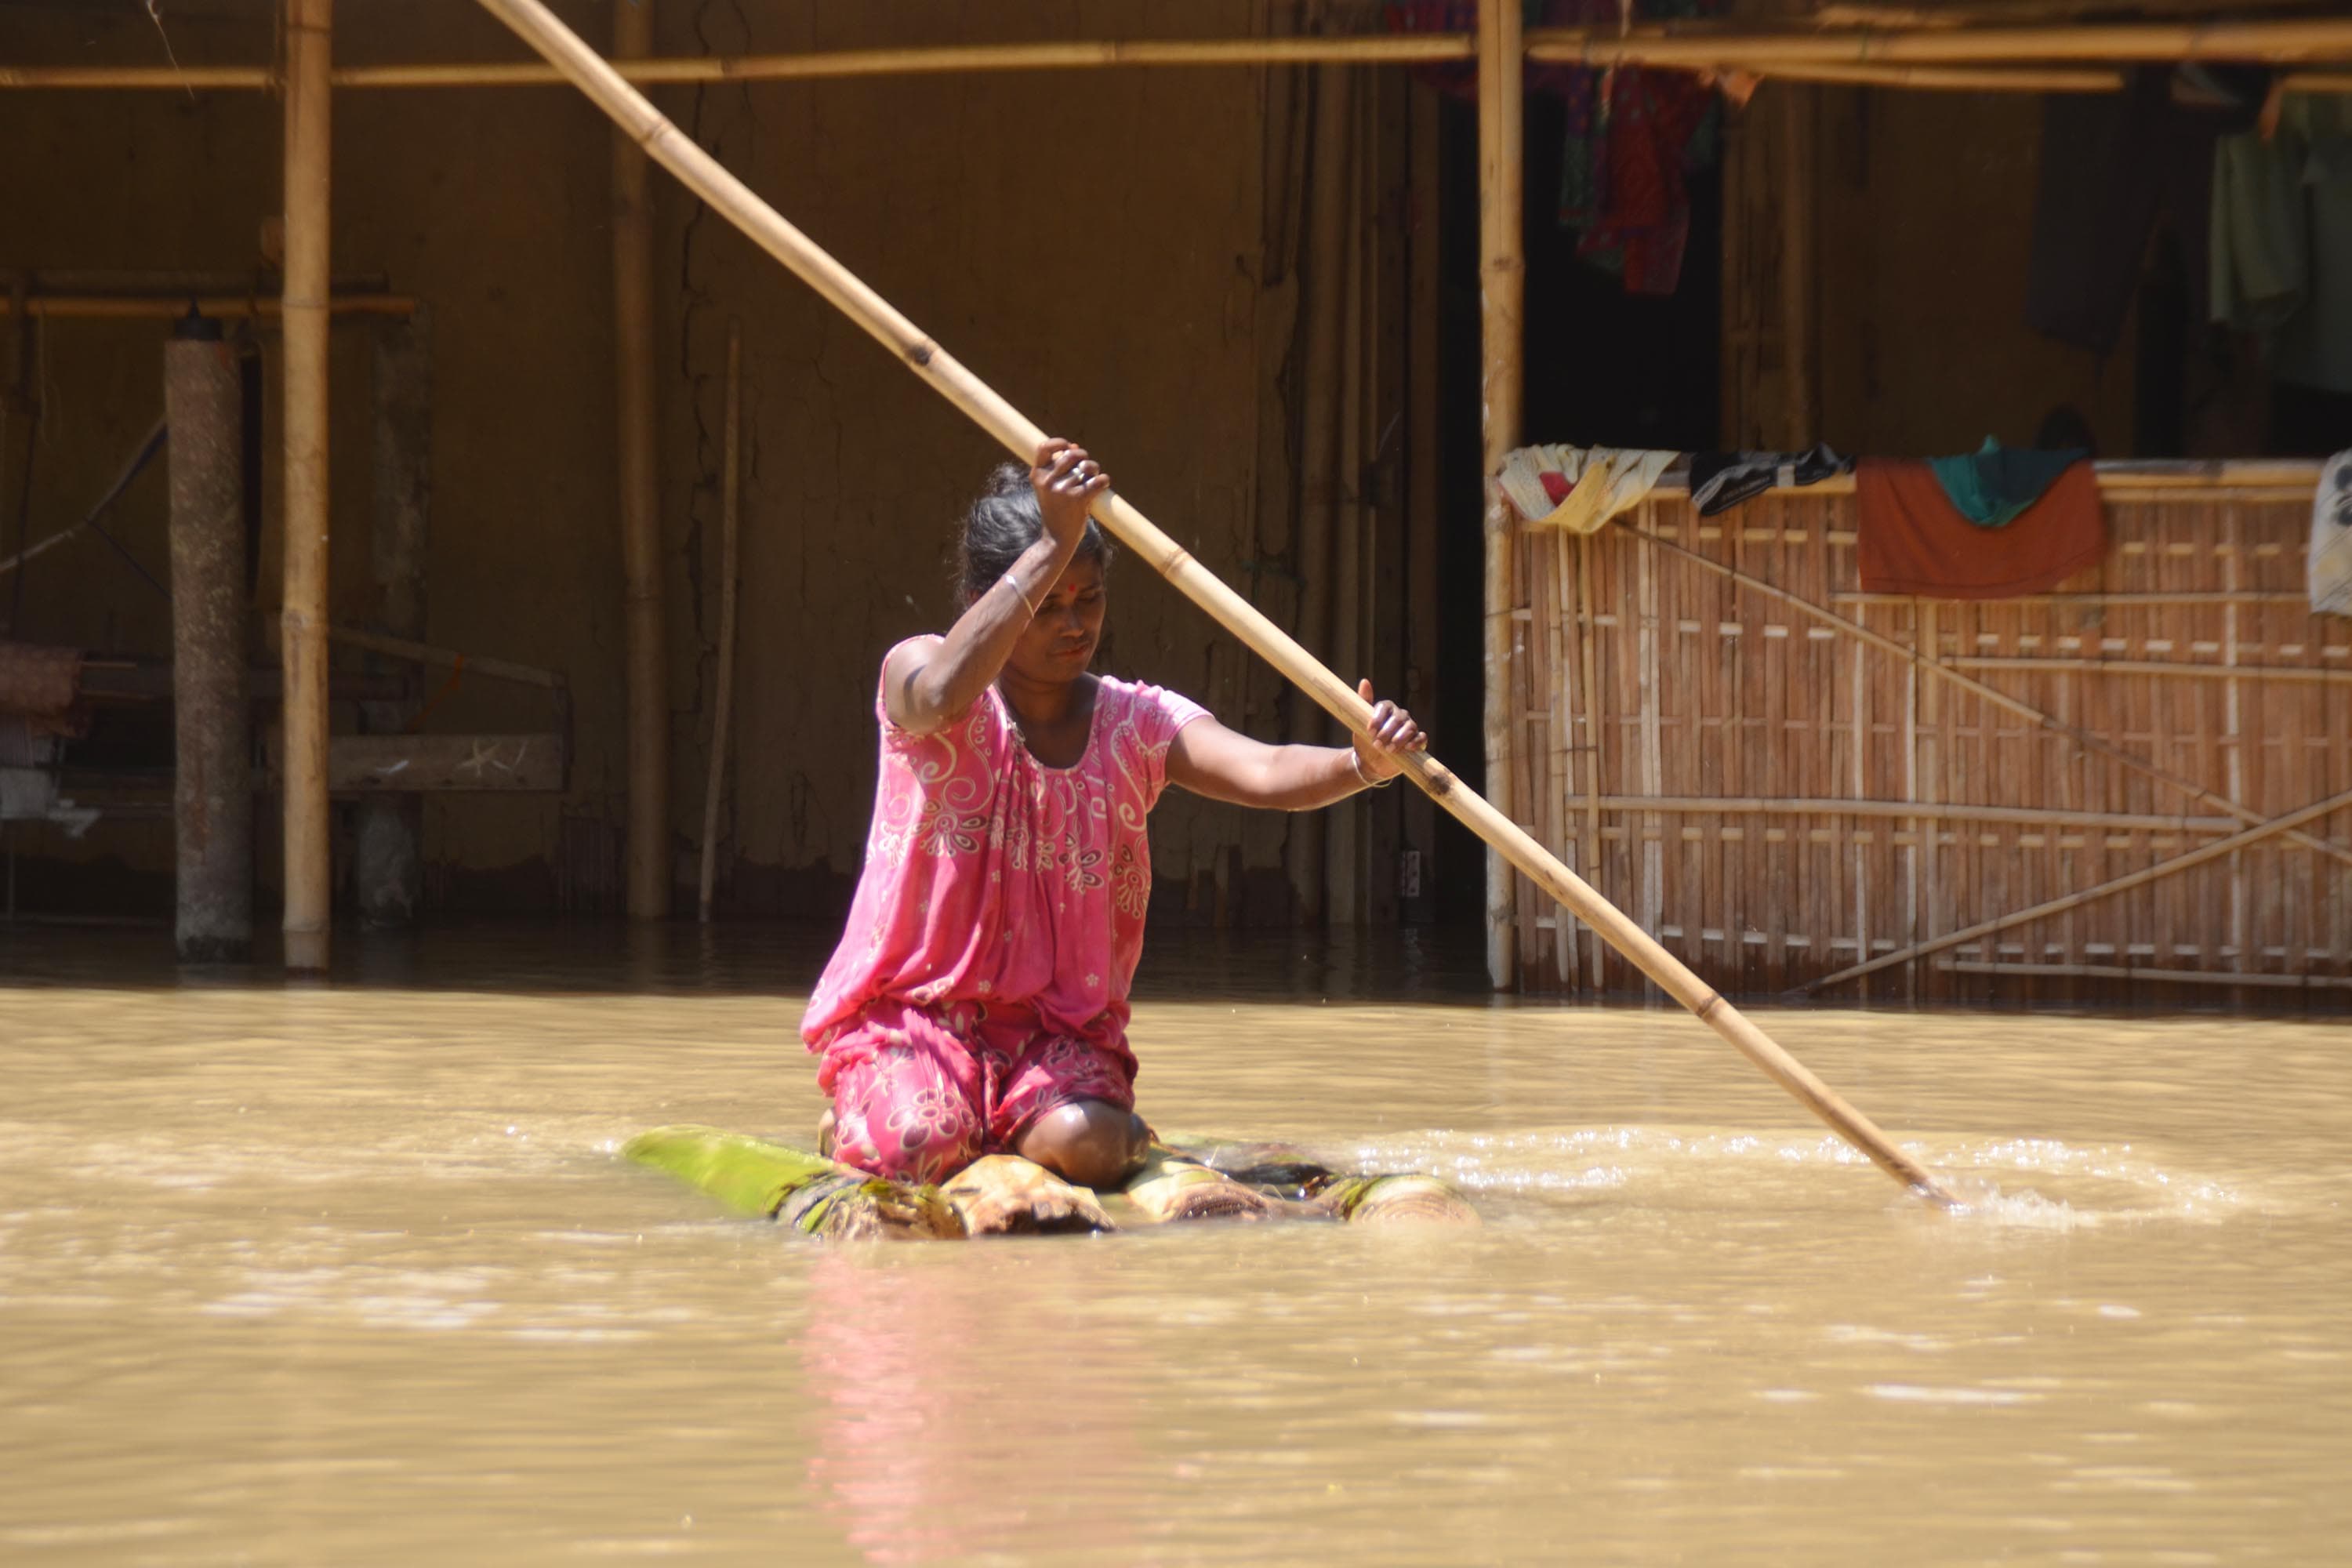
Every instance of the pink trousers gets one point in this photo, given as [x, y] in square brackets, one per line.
[919, 1093]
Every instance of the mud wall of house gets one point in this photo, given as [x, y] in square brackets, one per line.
[1088, 241]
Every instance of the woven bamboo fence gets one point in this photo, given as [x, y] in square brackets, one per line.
[1777, 797]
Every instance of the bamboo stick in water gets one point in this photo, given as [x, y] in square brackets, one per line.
[741, 205]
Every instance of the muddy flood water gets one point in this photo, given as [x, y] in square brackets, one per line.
[354, 1273]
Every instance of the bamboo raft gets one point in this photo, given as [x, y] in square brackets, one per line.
[1004, 1195]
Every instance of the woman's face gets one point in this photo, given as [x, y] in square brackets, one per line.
[1059, 641]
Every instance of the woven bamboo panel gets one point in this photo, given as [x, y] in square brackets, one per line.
[1684, 740]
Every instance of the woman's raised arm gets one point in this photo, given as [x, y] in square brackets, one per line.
[927, 682]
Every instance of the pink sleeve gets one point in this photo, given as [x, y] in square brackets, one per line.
[1158, 714]
[895, 739]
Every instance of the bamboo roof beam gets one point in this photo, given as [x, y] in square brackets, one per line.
[1376, 48]
[1925, 57]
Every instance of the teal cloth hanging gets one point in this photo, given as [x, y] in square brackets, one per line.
[1993, 484]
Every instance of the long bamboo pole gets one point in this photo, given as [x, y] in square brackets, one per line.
[1921, 658]
[307, 312]
[1403, 49]
[2178, 863]
[1837, 805]
[1716, 51]
[2302, 672]
[2161, 976]
[635, 442]
[766, 227]
[1502, 297]
[219, 307]
[1945, 79]
[2313, 39]
[730, 486]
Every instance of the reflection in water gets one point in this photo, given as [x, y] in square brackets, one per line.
[351, 1273]
[929, 1380]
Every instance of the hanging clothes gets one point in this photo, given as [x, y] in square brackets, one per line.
[1633, 137]
[2281, 240]
[1993, 484]
[2111, 166]
[2329, 562]
[1578, 489]
[1721, 480]
[1913, 539]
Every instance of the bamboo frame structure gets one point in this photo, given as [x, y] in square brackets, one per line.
[1928, 661]
[731, 483]
[2173, 867]
[646, 127]
[1820, 793]
[636, 444]
[1502, 296]
[305, 311]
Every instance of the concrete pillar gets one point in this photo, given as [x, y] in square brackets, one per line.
[212, 794]
[388, 843]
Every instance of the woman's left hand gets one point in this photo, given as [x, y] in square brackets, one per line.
[1393, 733]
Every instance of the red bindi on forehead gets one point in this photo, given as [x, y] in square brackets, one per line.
[1080, 576]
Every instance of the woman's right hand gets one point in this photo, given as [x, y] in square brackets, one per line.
[1066, 481]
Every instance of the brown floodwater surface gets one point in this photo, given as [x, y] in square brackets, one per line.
[354, 1273]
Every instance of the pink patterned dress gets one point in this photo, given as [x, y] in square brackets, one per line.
[982, 978]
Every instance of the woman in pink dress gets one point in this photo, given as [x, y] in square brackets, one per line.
[978, 1001]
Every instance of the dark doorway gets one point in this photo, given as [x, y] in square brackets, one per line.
[1603, 367]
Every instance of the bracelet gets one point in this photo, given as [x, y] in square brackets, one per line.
[1008, 582]
[1355, 761]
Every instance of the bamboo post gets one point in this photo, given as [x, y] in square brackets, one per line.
[309, 50]
[1502, 296]
[388, 829]
[640, 507]
[1594, 753]
[984, 406]
[2178, 863]
[731, 485]
[212, 794]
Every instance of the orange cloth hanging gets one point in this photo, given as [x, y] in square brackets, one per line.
[1914, 541]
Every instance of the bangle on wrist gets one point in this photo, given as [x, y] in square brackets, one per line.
[1008, 582]
[1355, 761]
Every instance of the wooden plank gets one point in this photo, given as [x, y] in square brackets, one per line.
[358, 764]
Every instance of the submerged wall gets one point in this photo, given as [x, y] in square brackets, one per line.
[1091, 242]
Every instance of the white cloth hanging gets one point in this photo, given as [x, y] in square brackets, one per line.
[2330, 557]
[1596, 482]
